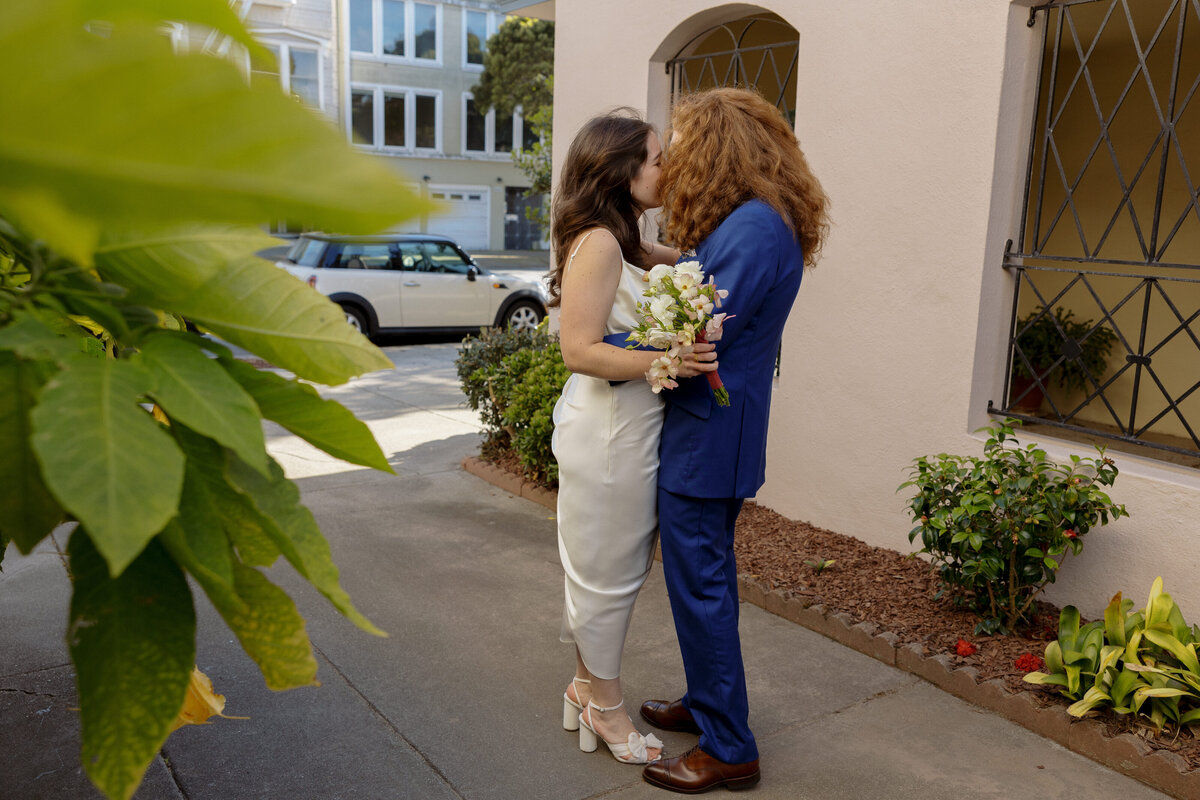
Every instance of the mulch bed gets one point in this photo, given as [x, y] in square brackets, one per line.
[896, 592]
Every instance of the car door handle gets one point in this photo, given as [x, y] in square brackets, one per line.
[411, 283]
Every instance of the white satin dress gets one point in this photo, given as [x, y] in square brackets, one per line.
[606, 443]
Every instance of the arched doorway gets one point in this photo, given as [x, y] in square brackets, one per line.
[759, 51]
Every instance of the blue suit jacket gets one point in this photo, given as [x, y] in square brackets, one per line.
[713, 451]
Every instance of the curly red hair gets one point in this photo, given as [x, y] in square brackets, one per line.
[729, 146]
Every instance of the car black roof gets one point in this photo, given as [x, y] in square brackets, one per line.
[381, 237]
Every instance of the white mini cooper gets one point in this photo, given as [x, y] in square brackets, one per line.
[413, 282]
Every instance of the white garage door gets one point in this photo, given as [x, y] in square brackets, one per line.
[466, 215]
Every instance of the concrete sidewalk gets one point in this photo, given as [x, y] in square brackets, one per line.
[463, 700]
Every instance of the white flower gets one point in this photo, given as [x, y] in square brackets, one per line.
[688, 275]
[659, 339]
[717, 294]
[658, 273]
[703, 305]
[662, 373]
[712, 329]
[663, 309]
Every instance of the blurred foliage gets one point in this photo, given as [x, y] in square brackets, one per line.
[132, 182]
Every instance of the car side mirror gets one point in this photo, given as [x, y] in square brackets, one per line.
[471, 273]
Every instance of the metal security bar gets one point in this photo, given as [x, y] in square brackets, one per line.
[1110, 229]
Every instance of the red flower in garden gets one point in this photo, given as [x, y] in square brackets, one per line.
[1070, 534]
[964, 648]
[1028, 662]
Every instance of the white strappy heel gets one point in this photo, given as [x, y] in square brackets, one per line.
[633, 751]
[571, 709]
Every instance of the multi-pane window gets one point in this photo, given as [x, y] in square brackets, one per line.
[476, 29]
[296, 68]
[396, 29]
[386, 118]
[492, 133]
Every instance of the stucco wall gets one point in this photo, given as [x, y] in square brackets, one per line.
[896, 342]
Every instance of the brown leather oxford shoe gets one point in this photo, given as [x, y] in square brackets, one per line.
[696, 771]
[669, 716]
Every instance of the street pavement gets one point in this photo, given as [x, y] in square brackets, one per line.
[463, 699]
[509, 260]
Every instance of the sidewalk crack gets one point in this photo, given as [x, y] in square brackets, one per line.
[379, 713]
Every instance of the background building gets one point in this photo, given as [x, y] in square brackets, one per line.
[984, 159]
[396, 77]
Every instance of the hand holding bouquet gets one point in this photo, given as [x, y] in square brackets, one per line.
[677, 312]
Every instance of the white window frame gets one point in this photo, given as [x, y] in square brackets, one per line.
[287, 40]
[490, 150]
[493, 23]
[410, 94]
[377, 53]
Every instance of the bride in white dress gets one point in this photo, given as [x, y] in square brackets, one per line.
[608, 421]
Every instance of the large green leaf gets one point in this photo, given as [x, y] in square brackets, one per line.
[27, 511]
[259, 613]
[118, 130]
[199, 528]
[30, 337]
[211, 276]
[1184, 652]
[325, 424]
[194, 389]
[104, 458]
[296, 534]
[132, 639]
[245, 528]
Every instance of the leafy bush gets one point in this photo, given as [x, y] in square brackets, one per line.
[514, 378]
[1127, 659]
[997, 527]
[532, 382]
[478, 366]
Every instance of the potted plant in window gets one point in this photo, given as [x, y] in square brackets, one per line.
[1044, 338]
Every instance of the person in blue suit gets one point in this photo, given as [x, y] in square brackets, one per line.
[737, 189]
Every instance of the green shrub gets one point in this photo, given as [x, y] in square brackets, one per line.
[478, 367]
[513, 379]
[1127, 659]
[997, 527]
[531, 384]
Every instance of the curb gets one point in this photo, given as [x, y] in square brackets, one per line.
[513, 484]
[1125, 753]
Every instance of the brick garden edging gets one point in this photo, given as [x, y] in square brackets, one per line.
[1126, 753]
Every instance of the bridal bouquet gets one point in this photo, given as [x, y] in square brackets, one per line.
[677, 311]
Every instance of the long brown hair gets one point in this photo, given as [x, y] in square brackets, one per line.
[593, 189]
[729, 146]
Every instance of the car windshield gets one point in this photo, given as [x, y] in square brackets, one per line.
[306, 252]
[432, 257]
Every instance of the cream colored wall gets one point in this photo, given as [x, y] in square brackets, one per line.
[897, 339]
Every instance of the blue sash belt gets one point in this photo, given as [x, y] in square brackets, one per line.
[622, 340]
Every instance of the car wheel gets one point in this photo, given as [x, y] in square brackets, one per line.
[523, 315]
[356, 319]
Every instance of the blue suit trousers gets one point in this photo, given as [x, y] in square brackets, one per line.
[701, 577]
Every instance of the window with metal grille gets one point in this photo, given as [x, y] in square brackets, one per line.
[1105, 329]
